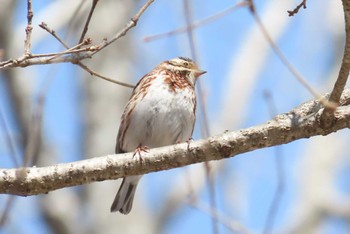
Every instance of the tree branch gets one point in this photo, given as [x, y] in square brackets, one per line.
[29, 28]
[80, 64]
[297, 8]
[284, 59]
[197, 24]
[86, 27]
[343, 72]
[301, 122]
[74, 57]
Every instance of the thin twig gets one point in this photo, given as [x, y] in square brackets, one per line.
[24, 61]
[198, 23]
[73, 20]
[212, 193]
[86, 27]
[10, 142]
[28, 28]
[33, 146]
[205, 124]
[34, 142]
[7, 209]
[343, 75]
[51, 56]
[279, 164]
[44, 26]
[194, 54]
[232, 225]
[74, 48]
[284, 59]
[79, 63]
[296, 10]
[132, 23]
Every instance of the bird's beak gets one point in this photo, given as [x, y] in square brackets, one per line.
[198, 73]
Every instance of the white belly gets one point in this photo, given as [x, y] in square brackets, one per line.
[161, 118]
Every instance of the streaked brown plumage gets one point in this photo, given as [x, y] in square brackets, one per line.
[161, 111]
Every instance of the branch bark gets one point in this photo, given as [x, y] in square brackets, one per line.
[301, 122]
[327, 118]
[345, 66]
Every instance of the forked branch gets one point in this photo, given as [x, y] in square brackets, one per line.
[327, 116]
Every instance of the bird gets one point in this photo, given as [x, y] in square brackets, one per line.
[160, 112]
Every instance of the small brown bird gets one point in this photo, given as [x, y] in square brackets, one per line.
[161, 111]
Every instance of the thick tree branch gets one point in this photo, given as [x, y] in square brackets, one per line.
[327, 116]
[345, 65]
[301, 122]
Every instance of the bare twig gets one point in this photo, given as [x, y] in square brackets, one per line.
[343, 72]
[279, 163]
[285, 61]
[194, 54]
[232, 225]
[296, 10]
[25, 62]
[132, 23]
[79, 63]
[74, 48]
[104, 77]
[7, 209]
[76, 53]
[212, 194]
[75, 58]
[198, 23]
[44, 26]
[74, 19]
[33, 145]
[94, 3]
[10, 142]
[29, 28]
[50, 56]
[12, 147]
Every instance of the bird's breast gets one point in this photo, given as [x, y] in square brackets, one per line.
[161, 118]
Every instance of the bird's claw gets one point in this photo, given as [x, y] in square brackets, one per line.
[139, 151]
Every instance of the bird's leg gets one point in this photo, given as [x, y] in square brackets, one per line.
[188, 141]
[139, 150]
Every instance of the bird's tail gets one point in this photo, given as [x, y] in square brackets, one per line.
[125, 196]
